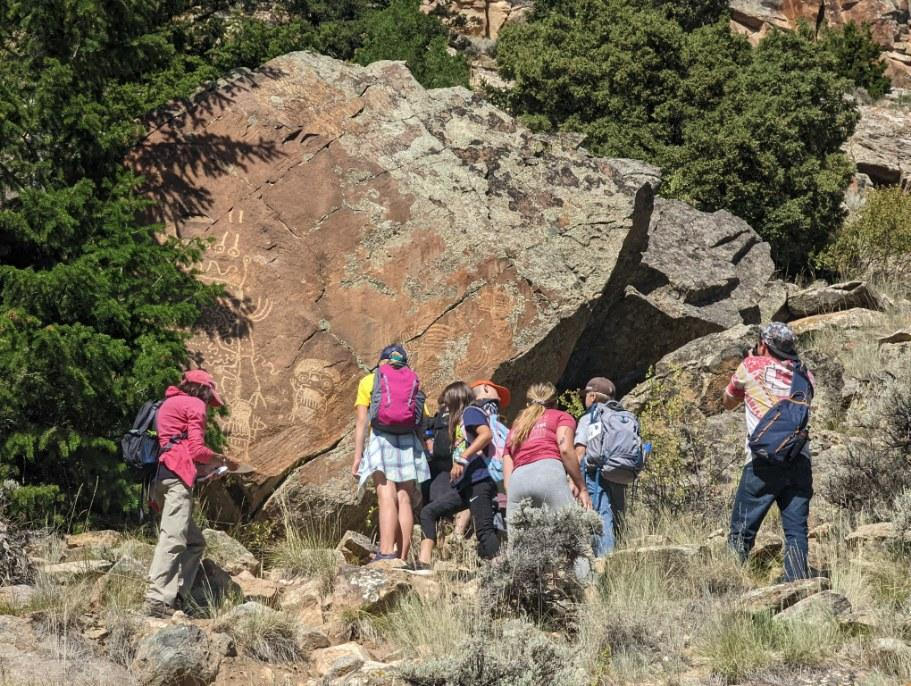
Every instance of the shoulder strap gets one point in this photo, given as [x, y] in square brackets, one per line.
[800, 381]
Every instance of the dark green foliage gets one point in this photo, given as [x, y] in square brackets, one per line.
[402, 32]
[91, 303]
[857, 57]
[755, 131]
[770, 151]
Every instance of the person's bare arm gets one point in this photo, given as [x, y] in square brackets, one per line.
[360, 436]
[571, 463]
[484, 437]
[729, 401]
[507, 471]
[580, 453]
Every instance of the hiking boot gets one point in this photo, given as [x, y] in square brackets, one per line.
[158, 609]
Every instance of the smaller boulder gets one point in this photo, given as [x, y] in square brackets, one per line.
[304, 599]
[213, 585]
[822, 298]
[326, 659]
[341, 668]
[309, 640]
[879, 532]
[176, 655]
[65, 572]
[776, 598]
[18, 595]
[368, 589]
[817, 607]
[356, 548]
[856, 318]
[229, 553]
[766, 551]
[262, 591]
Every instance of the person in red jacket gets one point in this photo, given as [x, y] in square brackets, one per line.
[181, 426]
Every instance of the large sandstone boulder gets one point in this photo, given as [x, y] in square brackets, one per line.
[888, 20]
[348, 207]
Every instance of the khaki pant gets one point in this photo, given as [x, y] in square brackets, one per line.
[180, 544]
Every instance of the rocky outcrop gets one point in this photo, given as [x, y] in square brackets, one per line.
[688, 275]
[888, 20]
[781, 596]
[881, 144]
[347, 207]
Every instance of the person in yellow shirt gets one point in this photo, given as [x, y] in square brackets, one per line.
[395, 460]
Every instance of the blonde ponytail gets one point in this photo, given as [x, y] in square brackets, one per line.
[540, 396]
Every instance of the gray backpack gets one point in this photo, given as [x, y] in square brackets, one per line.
[614, 445]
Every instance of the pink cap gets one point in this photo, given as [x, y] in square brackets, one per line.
[202, 377]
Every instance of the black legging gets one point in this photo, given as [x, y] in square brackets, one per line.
[447, 501]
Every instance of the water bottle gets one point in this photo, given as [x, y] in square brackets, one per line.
[646, 451]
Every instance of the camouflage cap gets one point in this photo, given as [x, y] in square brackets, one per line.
[780, 339]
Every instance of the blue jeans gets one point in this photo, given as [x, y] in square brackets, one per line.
[608, 500]
[790, 486]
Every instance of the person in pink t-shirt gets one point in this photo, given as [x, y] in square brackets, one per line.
[540, 455]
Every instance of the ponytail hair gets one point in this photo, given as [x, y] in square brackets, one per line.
[540, 396]
[455, 398]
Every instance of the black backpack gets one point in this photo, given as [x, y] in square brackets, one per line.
[140, 444]
[438, 432]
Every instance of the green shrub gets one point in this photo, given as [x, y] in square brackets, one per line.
[874, 469]
[541, 572]
[685, 471]
[875, 242]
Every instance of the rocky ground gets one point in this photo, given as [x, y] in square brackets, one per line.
[670, 606]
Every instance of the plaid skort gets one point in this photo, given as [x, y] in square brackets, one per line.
[399, 456]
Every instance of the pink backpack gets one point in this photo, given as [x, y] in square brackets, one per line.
[397, 402]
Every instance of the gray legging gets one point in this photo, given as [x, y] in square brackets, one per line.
[543, 481]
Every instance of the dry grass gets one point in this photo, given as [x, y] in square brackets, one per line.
[307, 552]
[423, 626]
[264, 634]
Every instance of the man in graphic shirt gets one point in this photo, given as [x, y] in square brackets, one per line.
[762, 379]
